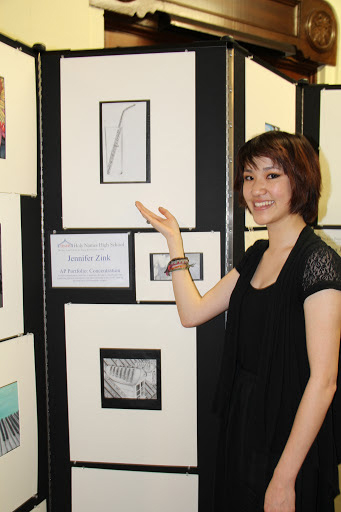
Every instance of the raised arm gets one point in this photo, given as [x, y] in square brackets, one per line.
[322, 312]
[193, 308]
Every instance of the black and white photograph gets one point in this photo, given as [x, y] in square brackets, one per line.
[159, 262]
[9, 418]
[125, 141]
[131, 379]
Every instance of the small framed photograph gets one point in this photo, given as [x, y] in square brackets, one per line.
[130, 378]
[152, 258]
[9, 418]
[125, 141]
[159, 262]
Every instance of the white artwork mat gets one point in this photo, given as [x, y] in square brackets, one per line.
[18, 171]
[19, 467]
[251, 236]
[114, 435]
[93, 489]
[332, 237]
[269, 98]
[167, 80]
[42, 507]
[208, 244]
[330, 160]
[11, 312]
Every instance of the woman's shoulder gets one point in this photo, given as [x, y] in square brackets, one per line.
[252, 254]
[321, 268]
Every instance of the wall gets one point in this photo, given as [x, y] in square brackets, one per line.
[57, 24]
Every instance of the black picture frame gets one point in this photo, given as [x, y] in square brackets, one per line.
[130, 378]
[159, 261]
[125, 141]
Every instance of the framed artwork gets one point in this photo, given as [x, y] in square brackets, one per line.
[18, 422]
[2, 119]
[125, 141]
[18, 122]
[146, 491]
[99, 260]
[271, 128]
[143, 138]
[11, 293]
[130, 379]
[135, 350]
[9, 418]
[152, 258]
[159, 262]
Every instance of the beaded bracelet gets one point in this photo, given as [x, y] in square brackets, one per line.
[177, 264]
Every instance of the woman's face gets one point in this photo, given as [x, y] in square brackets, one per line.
[267, 191]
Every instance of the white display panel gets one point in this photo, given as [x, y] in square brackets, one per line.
[41, 507]
[167, 82]
[125, 491]
[252, 236]
[18, 170]
[330, 112]
[269, 99]
[11, 311]
[19, 467]
[114, 435]
[332, 237]
[148, 245]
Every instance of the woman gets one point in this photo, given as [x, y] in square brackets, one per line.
[279, 444]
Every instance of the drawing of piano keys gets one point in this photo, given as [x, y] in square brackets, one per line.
[9, 418]
[114, 150]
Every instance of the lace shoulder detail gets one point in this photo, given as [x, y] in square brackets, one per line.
[322, 270]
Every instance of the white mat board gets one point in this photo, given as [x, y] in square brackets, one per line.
[125, 491]
[19, 467]
[148, 243]
[168, 81]
[18, 171]
[330, 159]
[114, 435]
[269, 98]
[11, 312]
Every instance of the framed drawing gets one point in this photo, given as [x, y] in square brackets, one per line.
[18, 422]
[130, 378]
[93, 489]
[18, 122]
[165, 436]
[99, 260]
[152, 257]
[11, 310]
[125, 141]
[145, 141]
[9, 418]
[159, 262]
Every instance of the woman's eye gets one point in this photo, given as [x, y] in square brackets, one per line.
[273, 176]
[248, 178]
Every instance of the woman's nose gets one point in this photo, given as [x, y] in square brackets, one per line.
[258, 187]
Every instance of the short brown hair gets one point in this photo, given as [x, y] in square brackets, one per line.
[296, 156]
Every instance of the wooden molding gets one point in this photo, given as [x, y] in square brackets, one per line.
[304, 28]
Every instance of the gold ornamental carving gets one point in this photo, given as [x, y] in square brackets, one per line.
[321, 30]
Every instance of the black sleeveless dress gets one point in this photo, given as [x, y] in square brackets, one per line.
[264, 372]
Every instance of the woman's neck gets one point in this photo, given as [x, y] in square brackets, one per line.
[284, 235]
